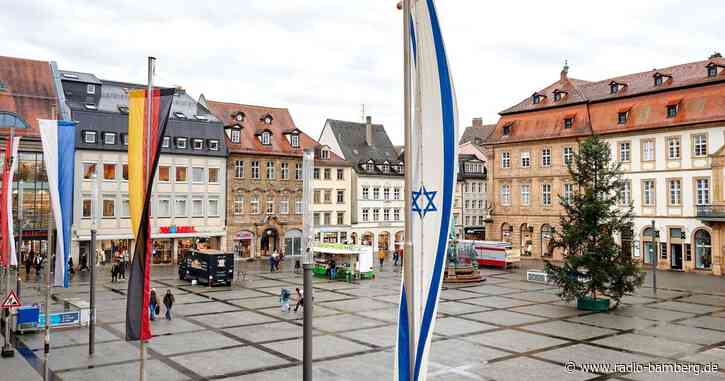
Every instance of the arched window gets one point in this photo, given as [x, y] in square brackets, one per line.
[546, 235]
[10, 119]
[703, 250]
[527, 245]
[506, 232]
[648, 246]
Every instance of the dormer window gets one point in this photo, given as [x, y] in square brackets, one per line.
[537, 98]
[660, 78]
[180, 143]
[672, 110]
[267, 119]
[370, 166]
[712, 71]
[568, 122]
[91, 89]
[613, 87]
[180, 115]
[235, 135]
[386, 167]
[109, 138]
[212, 144]
[89, 137]
[197, 144]
[622, 117]
[166, 143]
[325, 154]
[294, 140]
[201, 117]
[559, 95]
[507, 129]
[90, 106]
[266, 138]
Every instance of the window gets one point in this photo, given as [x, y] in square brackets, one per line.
[658, 80]
[505, 194]
[316, 219]
[324, 154]
[386, 193]
[702, 191]
[625, 153]
[386, 167]
[164, 208]
[91, 89]
[254, 204]
[648, 150]
[327, 218]
[369, 166]
[568, 192]
[180, 143]
[340, 196]
[109, 206]
[622, 117]
[366, 193]
[648, 192]
[213, 175]
[525, 159]
[197, 174]
[124, 172]
[557, 96]
[89, 137]
[468, 220]
[239, 169]
[298, 206]
[125, 209]
[568, 123]
[270, 204]
[699, 144]
[546, 157]
[266, 138]
[703, 250]
[236, 135]
[675, 186]
[124, 139]
[255, 169]
[212, 207]
[536, 99]
[712, 71]
[328, 173]
[213, 145]
[341, 218]
[316, 173]
[671, 111]
[87, 208]
[466, 204]
[109, 171]
[505, 160]
[163, 174]
[89, 170]
[197, 207]
[238, 205]
[285, 170]
[283, 205]
[546, 194]
[625, 197]
[376, 193]
[396, 214]
[180, 207]
[295, 140]
[568, 155]
[396, 193]
[181, 174]
[197, 144]
[507, 129]
[316, 196]
[328, 196]
[109, 138]
[340, 174]
[298, 171]
[613, 88]
[166, 142]
[525, 194]
[673, 148]
[376, 214]
[386, 214]
[365, 213]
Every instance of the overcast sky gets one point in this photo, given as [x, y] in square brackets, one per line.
[326, 58]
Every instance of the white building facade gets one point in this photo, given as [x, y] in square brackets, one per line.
[332, 197]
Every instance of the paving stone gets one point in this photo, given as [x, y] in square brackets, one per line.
[525, 369]
[498, 302]
[516, 341]
[547, 310]
[651, 313]
[456, 308]
[381, 336]
[714, 355]
[634, 299]
[370, 292]
[190, 342]
[568, 330]
[609, 320]
[493, 290]
[203, 308]
[686, 334]
[709, 322]
[583, 353]
[504, 318]
[536, 297]
[339, 323]
[210, 364]
[655, 346]
[269, 332]
[661, 294]
[66, 337]
[237, 294]
[388, 315]
[317, 311]
[714, 300]
[324, 346]
[452, 326]
[457, 295]
[153, 370]
[256, 303]
[671, 376]
[357, 305]
[685, 307]
[105, 353]
[231, 319]
[21, 369]
[526, 285]
[454, 353]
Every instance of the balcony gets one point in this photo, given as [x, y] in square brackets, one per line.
[711, 213]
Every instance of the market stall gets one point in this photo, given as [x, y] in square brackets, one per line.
[353, 261]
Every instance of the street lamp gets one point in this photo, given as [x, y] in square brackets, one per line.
[308, 163]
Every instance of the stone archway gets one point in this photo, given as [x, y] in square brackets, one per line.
[269, 241]
[384, 241]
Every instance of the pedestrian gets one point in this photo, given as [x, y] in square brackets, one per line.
[71, 270]
[275, 256]
[114, 273]
[168, 303]
[153, 304]
[297, 266]
[124, 262]
[83, 265]
[381, 257]
[284, 297]
[271, 263]
[29, 264]
[333, 269]
[395, 257]
[300, 298]
[38, 265]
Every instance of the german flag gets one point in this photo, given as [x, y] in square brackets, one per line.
[144, 146]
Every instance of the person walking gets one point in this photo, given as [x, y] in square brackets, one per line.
[300, 298]
[381, 258]
[153, 304]
[38, 265]
[333, 269]
[168, 303]
[124, 262]
[284, 297]
[29, 264]
[271, 263]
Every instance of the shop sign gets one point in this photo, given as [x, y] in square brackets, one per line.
[61, 319]
[173, 229]
[244, 235]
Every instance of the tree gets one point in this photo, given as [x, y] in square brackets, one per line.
[594, 263]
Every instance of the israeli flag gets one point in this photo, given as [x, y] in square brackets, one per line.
[59, 145]
[433, 171]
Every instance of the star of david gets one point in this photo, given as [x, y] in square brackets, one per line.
[425, 196]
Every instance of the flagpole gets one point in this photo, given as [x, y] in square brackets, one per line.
[7, 350]
[147, 224]
[408, 256]
[46, 262]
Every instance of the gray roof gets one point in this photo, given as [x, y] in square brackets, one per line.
[477, 132]
[67, 75]
[351, 137]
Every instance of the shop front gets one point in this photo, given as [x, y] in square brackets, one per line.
[172, 240]
[293, 242]
[477, 233]
[244, 242]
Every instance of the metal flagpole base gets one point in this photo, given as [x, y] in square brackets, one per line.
[307, 323]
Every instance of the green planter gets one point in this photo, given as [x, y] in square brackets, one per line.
[587, 303]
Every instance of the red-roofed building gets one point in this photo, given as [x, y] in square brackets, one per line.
[264, 181]
[667, 128]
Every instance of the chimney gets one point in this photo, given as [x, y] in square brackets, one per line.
[369, 130]
[564, 71]
[477, 122]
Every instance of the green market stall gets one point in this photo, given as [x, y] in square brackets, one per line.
[353, 261]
